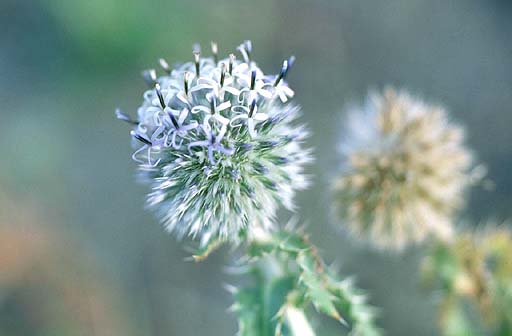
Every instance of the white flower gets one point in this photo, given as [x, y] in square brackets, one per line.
[219, 84]
[283, 92]
[246, 50]
[176, 126]
[219, 163]
[281, 89]
[254, 88]
[212, 142]
[147, 145]
[213, 111]
[250, 115]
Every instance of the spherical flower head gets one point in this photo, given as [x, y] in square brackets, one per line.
[405, 171]
[217, 141]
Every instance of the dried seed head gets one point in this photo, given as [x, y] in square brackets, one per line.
[405, 173]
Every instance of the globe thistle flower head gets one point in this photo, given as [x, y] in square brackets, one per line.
[217, 141]
[405, 171]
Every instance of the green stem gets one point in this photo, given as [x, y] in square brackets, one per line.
[298, 323]
[272, 269]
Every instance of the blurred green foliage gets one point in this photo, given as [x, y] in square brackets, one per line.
[289, 273]
[473, 275]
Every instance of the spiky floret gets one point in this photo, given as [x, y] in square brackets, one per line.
[218, 142]
[405, 172]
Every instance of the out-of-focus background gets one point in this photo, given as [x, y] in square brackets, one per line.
[80, 256]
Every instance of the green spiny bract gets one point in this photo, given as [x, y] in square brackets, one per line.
[218, 143]
[289, 274]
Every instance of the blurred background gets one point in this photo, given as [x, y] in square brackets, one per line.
[80, 256]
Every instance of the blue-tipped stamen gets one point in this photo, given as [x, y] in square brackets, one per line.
[213, 104]
[252, 108]
[149, 77]
[163, 105]
[125, 117]
[253, 80]
[215, 50]
[160, 96]
[287, 64]
[197, 59]
[141, 138]
[165, 66]
[173, 119]
[246, 49]
[186, 78]
[222, 74]
[232, 59]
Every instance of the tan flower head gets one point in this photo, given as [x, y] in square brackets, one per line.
[405, 171]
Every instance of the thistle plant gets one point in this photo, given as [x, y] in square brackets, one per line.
[405, 176]
[472, 276]
[405, 171]
[220, 146]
